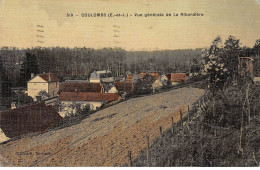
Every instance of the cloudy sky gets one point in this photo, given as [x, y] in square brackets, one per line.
[19, 20]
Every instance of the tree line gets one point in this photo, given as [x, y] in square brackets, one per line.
[78, 63]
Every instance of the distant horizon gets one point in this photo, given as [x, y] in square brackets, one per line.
[130, 50]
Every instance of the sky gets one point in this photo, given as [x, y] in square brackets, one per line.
[19, 20]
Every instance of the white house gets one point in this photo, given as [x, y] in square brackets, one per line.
[163, 78]
[43, 82]
[77, 95]
[112, 90]
[101, 76]
[109, 88]
[72, 101]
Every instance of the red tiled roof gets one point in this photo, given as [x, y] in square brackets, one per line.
[85, 96]
[28, 119]
[155, 75]
[48, 76]
[124, 86]
[129, 77]
[81, 87]
[176, 77]
[142, 75]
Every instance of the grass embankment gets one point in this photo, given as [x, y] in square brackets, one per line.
[224, 131]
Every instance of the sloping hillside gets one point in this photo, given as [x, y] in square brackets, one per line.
[104, 138]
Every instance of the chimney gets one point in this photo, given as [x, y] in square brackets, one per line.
[13, 105]
[50, 77]
[32, 75]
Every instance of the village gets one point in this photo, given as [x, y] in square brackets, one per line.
[54, 100]
[113, 117]
[129, 83]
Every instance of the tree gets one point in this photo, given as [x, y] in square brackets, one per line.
[256, 54]
[214, 67]
[232, 52]
[29, 66]
[5, 85]
[44, 95]
[256, 47]
[221, 62]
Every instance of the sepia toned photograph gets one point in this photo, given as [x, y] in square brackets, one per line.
[129, 83]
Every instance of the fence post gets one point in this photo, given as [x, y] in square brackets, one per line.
[181, 120]
[130, 158]
[147, 151]
[161, 131]
[172, 126]
[188, 113]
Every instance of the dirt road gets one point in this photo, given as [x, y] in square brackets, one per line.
[104, 138]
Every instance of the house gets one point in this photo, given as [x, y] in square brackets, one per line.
[101, 76]
[71, 100]
[176, 78]
[142, 75]
[160, 82]
[163, 78]
[155, 75]
[81, 86]
[81, 94]
[125, 86]
[109, 88]
[129, 78]
[26, 120]
[47, 83]
[133, 77]
[157, 85]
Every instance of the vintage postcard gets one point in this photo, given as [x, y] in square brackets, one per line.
[120, 83]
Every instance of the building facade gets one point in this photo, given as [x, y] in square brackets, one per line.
[46, 82]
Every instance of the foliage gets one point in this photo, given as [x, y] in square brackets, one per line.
[44, 95]
[5, 85]
[143, 86]
[77, 63]
[256, 53]
[21, 98]
[221, 62]
[212, 140]
[74, 109]
[29, 66]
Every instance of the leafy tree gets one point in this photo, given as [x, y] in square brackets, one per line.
[4, 82]
[256, 54]
[29, 66]
[232, 52]
[44, 95]
[256, 47]
[143, 86]
[221, 62]
[214, 66]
